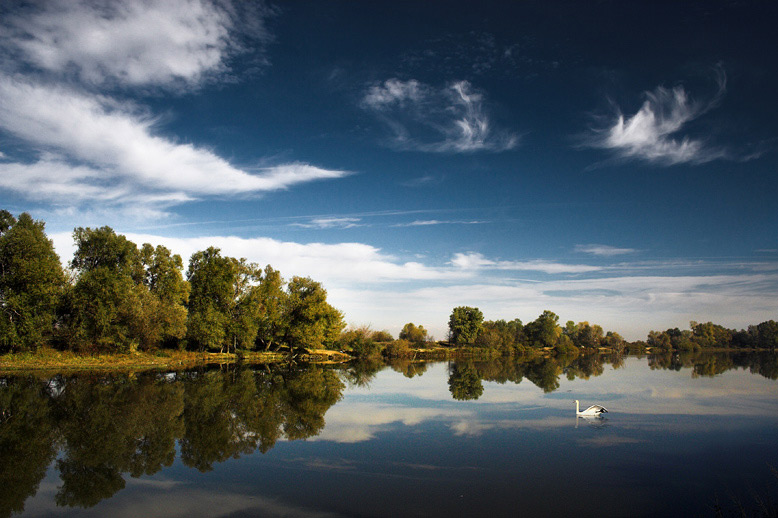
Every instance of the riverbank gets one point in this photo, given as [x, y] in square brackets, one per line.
[51, 360]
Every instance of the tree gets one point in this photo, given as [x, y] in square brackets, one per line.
[544, 331]
[311, 321]
[502, 335]
[767, 334]
[413, 334]
[464, 383]
[464, 324]
[31, 283]
[107, 307]
[224, 303]
[272, 322]
[165, 281]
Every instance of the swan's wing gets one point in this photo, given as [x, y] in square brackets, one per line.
[596, 408]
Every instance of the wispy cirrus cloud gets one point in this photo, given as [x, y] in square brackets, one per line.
[476, 261]
[149, 43]
[603, 250]
[453, 119]
[80, 144]
[433, 222]
[104, 150]
[656, 132]
[322, 223]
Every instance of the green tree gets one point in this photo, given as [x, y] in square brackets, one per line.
[767, 334]
[108, 306]
[413, 334]
[312, 321]
[225, 303]
[464, 324]
[544, 331]
[499, 334]
[31, 283]
[272, 322]
[165, 281]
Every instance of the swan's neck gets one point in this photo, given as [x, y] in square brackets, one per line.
[577, 409]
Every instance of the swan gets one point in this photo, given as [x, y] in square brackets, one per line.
[592, 411]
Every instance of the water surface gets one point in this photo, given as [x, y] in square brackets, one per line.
[442, 439]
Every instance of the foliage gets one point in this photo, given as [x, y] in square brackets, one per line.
[225, 304]
[123, 298]
[506, 336]
[311, 321]
[359, 341]
[398, 349]
[272, 319]
[31, 283]
[382, 336]
[544, 331]
[464, 382]
[414, 334]
[464, 324]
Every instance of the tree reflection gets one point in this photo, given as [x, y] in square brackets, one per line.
[464, 382]
[26, 441]
[110, 425]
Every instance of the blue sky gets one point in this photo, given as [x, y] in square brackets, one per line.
[612, 162]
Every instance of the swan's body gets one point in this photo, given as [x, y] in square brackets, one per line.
[592, 411]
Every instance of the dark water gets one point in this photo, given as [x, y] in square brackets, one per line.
[683, 435]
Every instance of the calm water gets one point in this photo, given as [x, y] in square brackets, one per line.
[442, 439]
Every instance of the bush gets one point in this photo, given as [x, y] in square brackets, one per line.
[358, 341]
[398, 349]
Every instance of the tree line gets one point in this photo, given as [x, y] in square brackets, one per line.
[468, 328]
[118, 297]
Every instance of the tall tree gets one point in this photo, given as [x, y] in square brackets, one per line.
[464, 324]
[312, 321]
[414, 334]
[272, 322]
[544, 331]
[165, 281]
[31, 283]
[109, 305]
[224, 304]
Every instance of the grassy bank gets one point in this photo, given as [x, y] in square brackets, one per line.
[46, 359]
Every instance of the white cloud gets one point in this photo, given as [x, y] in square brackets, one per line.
[449, 120]
[359, 422]
[108, 151]
[432, 222]
[323, 223]
[149, 42]
[476, 261]
[331, 264]
[393, 92]
[653, 133]
[603, 250]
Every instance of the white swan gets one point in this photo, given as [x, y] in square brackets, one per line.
[592, 411]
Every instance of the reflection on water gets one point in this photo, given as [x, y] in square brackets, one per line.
[452, 438]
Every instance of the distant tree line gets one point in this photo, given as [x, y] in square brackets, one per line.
[118, 297]
[468, 328]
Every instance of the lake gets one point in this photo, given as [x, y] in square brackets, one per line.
[683, 435]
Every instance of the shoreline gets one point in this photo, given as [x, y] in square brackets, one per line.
[50, 360]
[54, 361]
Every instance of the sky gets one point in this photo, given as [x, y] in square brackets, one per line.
[613, 162]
